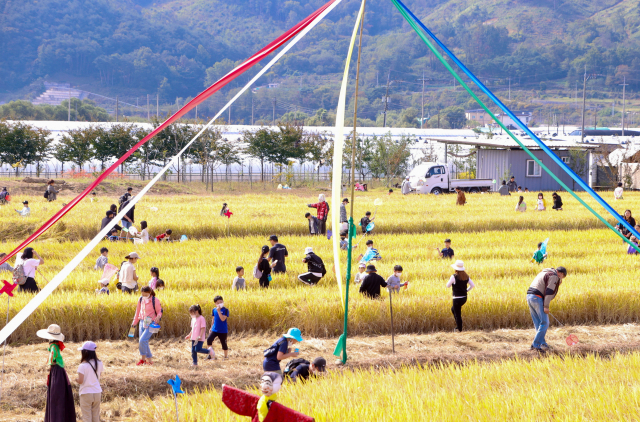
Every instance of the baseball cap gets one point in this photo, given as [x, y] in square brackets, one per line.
[308, 249]
[132, 255]
[320, 364]
[273, 237]
[25, 202]
[88, 345]
[362, 265]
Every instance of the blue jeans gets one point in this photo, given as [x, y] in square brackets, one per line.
[540, 320]
[145, 335]
[126, 224]
[196, 347]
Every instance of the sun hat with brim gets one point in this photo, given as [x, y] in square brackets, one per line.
[132, 255]
[88, 345]
[371, 268]
[51, 333]
[294, 333]
[458, 266]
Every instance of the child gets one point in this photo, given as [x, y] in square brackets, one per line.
[557, 202]
[144, 234]
[371, 254]
[446, 252]
[102, 260]
[238, 281]
[159, 285]
[521, 206]
[94, 198]
[155, 276]
[25, 211]
[219, 327]
[104, 290]
[542, 204]
[166, 236]
[270, 384]
[393, 282]
[314, 224]
[360, 274]
[390, 192]
[197, 334]
[538, 256]
[344, 244]
[617, 193]
[89, 373]
[364, 221]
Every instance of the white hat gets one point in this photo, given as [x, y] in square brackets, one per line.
[362, 265]
[132, 255]
[51, 333]
[88, 345]
[308, 249]
[321, 198]
[458, 266]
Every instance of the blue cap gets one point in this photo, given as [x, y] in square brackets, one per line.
[294, 333]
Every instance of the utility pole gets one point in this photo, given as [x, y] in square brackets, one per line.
[595, 118]
[509, 89]
[422, 118]
[229, 114]
[584, 99]
[274, 112]
[252, 110]
[69, 111]
[624, 86]
[148, 113]
[386, 100]
[157, 105]
[116, 108]
[196, 112]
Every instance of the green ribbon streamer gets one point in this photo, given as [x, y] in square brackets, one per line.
[431, 47]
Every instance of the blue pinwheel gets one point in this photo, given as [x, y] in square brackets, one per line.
[175, 385]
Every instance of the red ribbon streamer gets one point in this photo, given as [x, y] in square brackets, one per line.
[270, 48]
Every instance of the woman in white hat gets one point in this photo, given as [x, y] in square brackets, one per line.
[89, 373]
[461, 284]
[60, 406]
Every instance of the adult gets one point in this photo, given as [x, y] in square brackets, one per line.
[323, 212]
[52, 192]
[406, 186]
[277, 255]
[128, 219]
[3, 196]
[372, 283]
[107, 220]
[59, 405]
[557, 201]
[148, 310]
[504, 189]
[460, 284]
[513, 186]
[128, 277]
[281, 350]
[344, 221]
[304, 371]
[542, 291]
[461, 198]
[629, 219]
[30, 260]
[315, 268]
[265, 268]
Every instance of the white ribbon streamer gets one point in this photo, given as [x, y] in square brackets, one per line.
[338, 148]
[34, 303]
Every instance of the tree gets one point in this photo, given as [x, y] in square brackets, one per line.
[79, 145]
[390, 158]
[259, 145]
[42, 146]
[18, 145]
[103, 147]
[454, 117]
[364, 155]
[120, 138]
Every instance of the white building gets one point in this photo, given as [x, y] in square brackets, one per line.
[524, 116]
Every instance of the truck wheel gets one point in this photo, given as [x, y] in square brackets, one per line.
[436, 191]
[474, 190]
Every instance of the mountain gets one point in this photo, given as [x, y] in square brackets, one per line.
[175, 48]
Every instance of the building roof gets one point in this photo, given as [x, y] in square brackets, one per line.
[475, 110]
[505, 142]
[518, 113]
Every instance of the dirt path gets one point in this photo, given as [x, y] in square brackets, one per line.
[126, 385]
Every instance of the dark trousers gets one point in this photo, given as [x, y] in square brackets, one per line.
[30, 286]
[456, 310]
[221, 336]
[322, 226]
[309, 278]
[196, 347]
[264, 282]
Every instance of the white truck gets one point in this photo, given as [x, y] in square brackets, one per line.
[435, 178]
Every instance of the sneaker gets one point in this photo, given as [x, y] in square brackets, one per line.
[455, 330]
[148, 362]
[140, 362]
[308, 283]
[545, 347]
[212, 354]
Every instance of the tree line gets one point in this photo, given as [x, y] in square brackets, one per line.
[96, 147]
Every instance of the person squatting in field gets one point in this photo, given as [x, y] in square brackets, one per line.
[541, 292]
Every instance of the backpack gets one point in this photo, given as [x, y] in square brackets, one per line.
[153, 303]
[293, 364]
[19, 276]
[46, 194]
[273, 350]
[256, 272]
[123, 199]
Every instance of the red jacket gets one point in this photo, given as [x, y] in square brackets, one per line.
[323, 210]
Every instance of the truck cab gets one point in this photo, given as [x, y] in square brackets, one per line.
[435, 178]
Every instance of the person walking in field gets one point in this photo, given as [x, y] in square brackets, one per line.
[281, 350]
[219, 327]
[541, 292]
[461, 199]
[264, 268]
[59, 405]
[29, 266]
[149, 310]
[314, 224]
[512, 185]
[197, 333]
[460, 284]
[344, 221]
[323, 212]
[372, 283]
[315, 268]
[89, 374]
[277, 255]
[52, 192]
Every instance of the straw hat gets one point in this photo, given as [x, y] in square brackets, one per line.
[51, 333]
[458, 266]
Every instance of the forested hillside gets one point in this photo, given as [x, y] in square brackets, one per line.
[175, 48]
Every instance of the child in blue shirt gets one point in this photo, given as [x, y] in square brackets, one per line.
[219, 326]
[446, 252]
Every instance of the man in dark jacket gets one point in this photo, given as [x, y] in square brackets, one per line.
[371, 284]
[557, 201]
[314, 224]
[114, 231]
[315, 267]
[542, 291]
[513, 186]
